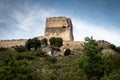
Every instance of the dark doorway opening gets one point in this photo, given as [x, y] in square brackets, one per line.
[63, 26]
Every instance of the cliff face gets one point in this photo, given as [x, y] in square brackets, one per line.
[59, 27]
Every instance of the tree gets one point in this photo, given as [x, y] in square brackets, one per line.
[28, 44]
[118, 49]
[33, 43]
[90, 47]
[52, 41]
[67, 52]
[12, 69]
[56, 41]
[20, 48]
[3, 49]
[92, 66]
[112, 46]
[59, 41]
[40, 53]
[51, 59]
[111, 66]
[44, 41]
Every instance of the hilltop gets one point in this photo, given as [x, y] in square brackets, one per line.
[48, 62]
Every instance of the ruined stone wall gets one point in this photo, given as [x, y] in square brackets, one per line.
[56, 22]
[10, 43]
[72, 45]
[55, 27]
[59, 27]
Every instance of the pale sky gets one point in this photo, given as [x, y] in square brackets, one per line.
[26, 18]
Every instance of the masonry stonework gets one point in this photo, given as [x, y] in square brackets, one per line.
[55, 27]
[59, 27]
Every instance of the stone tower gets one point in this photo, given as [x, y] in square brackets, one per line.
[59, 27]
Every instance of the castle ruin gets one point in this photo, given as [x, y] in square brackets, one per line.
[55, 27]
[59, 27]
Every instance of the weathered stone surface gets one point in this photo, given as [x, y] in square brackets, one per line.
[59, 27]
[48, 50]
[103, 44]
[105, 51]
[72, 45]
[10, 43]
[55, 27]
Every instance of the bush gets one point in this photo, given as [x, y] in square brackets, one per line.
[20, 48]
[67, 52]
[40, 53]
[118, 49]
[112, 46]
[44, 41]
[12, 69]
[3, 49]
[91, 62]
[51, 59]
[30, 55]
[56, 41]
[33, 43]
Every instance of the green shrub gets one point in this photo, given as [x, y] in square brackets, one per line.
[3, 49]
[50, 59]
[67, 52]
[91, 62]
[20, 48]
[118, 49]
[112, 46]
[40, 53]
[100, 48]
[33, 43]
[56, 41]
[44, 41]
[29, 55]
[12, 69]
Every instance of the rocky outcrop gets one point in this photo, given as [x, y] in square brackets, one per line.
[103, 44]
[59, 27]
[72, 45]
[105, 51]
